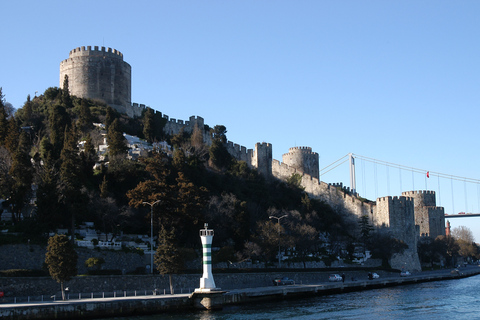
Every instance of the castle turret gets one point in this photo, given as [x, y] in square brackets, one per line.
[262, 158]
[303, 159]
[99, 74]
[397, 215]
[429, 217]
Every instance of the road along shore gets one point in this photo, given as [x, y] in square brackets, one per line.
[125, 306]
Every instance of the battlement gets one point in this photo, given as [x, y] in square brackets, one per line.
[336, 185]
[424, 198]
[96, 51]
[303, 159]
[99, 73]
[394, 199]
[264, 144]
[303, 150]
[237, 149]
[418, 192]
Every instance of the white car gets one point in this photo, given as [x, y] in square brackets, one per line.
[373, 275]
[405, 274]
[334, 277]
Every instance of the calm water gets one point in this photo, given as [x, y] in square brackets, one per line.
[453, 299]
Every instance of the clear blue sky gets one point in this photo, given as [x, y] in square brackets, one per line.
[390, 80]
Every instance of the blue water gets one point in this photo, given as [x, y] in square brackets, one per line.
[453, 299]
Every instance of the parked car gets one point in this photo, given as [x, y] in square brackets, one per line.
[455, 271]
[373, 275]
[334, 277]
[283, 281]
[405, 274]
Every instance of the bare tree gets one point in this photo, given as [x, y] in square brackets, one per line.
[463, 233]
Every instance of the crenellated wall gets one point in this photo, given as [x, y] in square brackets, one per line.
[429, 217]
[340, 199]
[102, 74]
[397, 214]
[425, 198]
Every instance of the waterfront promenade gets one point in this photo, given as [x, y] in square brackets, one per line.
[123, 306]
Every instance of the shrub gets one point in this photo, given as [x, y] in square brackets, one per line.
[94, 262]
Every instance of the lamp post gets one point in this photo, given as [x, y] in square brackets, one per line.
[151, 204]
[278, 224]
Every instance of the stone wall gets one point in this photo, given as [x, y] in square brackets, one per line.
[19, 256]
[429, 217]
[37, 286]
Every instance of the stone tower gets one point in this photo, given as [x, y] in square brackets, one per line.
[303, 159]
[428, 216]
[99, 74]
[396, 215]
[262, 158]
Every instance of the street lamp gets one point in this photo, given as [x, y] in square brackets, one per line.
[151, 204]
[278, 223]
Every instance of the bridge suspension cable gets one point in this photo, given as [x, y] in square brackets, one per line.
[327, 167]
[417, 170]
[400, 167]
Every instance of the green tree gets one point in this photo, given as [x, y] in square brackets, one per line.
[104, 187]
[116, 141]
[167, 256]
[383, 246]
[27, 112]
[179, 159]
[3, 119]
[61, 260]
[431, 250]
[13, 135]
[70, 188]
[155, 187]
[110, 117]
[66, 99]
[450, 248]
[148, 125]
[365, 230]
[48, 207]
[89, 157]
[85, 119]
[187, 206]
[5, 178]
[219, 156]
[295, 181]
[196, 140]
[46, 151]
[21, 173]
[231, 220]
[59, 121]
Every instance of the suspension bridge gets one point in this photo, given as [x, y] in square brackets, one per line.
[372, 178]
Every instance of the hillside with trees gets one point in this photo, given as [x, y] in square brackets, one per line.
[49, 180]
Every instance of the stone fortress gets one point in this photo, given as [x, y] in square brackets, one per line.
[103, 75]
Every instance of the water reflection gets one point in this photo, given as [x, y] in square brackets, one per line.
[454, 299]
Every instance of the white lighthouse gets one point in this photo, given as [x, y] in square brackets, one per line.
[207, 283]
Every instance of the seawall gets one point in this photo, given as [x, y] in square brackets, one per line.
[124, 306]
